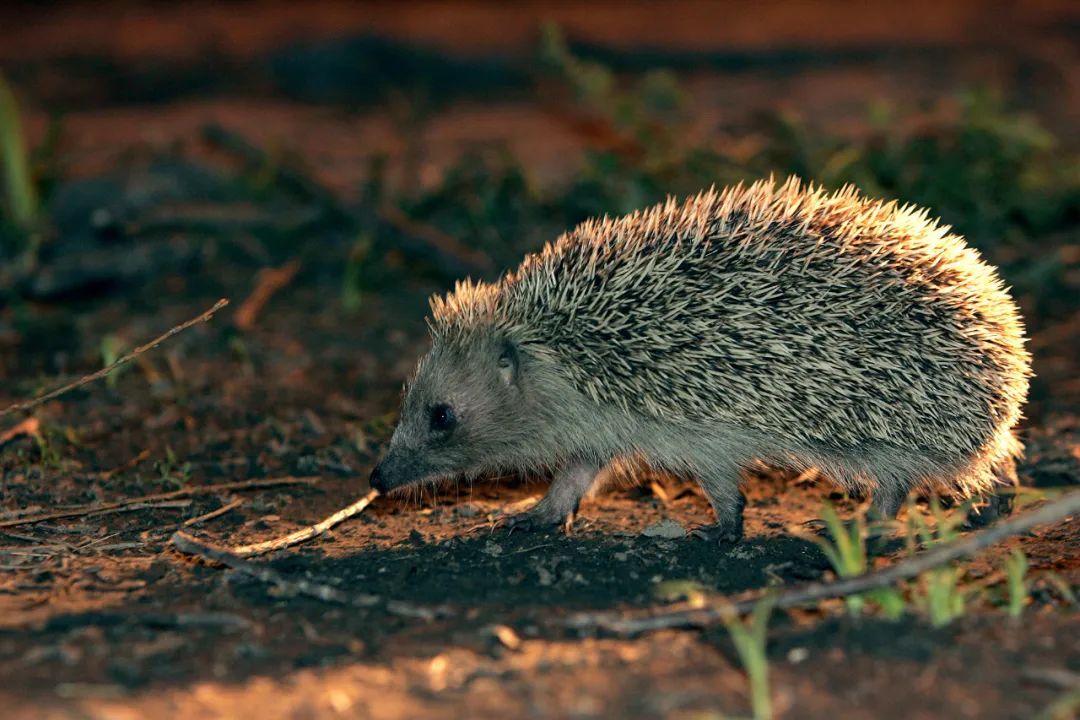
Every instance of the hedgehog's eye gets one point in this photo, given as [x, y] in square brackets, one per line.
[508, 363]
[442, 418]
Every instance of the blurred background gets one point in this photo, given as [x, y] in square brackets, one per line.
[327, 166]
[158, 154]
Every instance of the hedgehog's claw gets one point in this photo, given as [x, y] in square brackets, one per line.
[539, 518]
[723, 534]
[991, 509]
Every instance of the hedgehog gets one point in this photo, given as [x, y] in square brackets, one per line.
[771, 323]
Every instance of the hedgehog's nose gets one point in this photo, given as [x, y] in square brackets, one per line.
[377, 482]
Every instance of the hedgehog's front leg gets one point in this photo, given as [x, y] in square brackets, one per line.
[567, 488]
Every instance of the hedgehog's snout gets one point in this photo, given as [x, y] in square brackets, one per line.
[387, 476]
[398, 468]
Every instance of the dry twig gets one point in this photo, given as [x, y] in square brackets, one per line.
[86, 379]
[268, 282]
[711, 614]
[122, 505]
[307, 533]
[214, 513]
[30, 426]
[132, 462]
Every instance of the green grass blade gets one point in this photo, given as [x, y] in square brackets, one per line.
[21, 195]
[749, 639]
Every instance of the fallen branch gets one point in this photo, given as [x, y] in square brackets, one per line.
[307, 533]
[268, 282]
[28, 404]
[190, 546]
[712, 614]
[121, 505]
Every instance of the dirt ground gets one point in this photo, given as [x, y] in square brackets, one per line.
[101, 618]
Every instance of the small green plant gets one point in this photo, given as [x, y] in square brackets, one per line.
[891, 602]
[352, 282]
[939, 592]
[750, 638]
[171, 470]
[20, 193]
[239, 352]
[51, 439]
[1065, 707]
[1016, 568]
[648, 113]
[845, 549]
[943, 598]
[944, 529]
[995, 174]
[48, 447]
[638, 152]
[112, 348]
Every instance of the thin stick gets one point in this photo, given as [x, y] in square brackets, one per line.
[305, 534]
[143, 454]
[108, 510]
[214, 513]
[30, 426]
[28, 404]
[120, 505]
[1054, 511]
[189, 545]
[177, 503]
[269, 281]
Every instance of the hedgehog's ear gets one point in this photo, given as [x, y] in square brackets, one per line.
[508, 362]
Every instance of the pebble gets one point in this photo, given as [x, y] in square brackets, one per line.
[665, 529]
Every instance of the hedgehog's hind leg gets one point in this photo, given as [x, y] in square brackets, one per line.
[891, 474]
[720, 482]
[886, 501]
[996, 503]
[561, 501]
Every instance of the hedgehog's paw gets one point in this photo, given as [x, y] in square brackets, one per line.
[990, 509]
[722, 534]
[542, 517]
